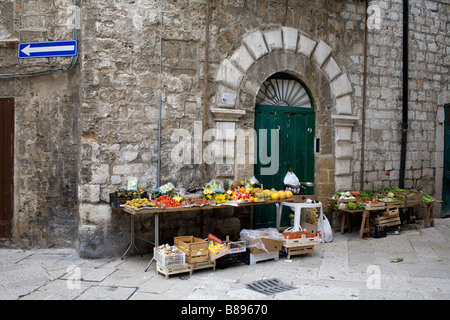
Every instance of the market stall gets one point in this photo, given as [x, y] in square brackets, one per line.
[380, 211]
[199, 253]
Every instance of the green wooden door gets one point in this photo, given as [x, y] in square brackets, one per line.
[446, 178]
[295, 129]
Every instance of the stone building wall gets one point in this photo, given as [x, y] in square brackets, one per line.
[134, 53]
[428, 74]
[46, 125]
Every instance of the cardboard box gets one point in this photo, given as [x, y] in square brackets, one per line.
[311, 228]
[271, 245]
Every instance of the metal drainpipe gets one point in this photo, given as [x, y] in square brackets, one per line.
[158, 182]
[363, 116]
[205, 93]
[405, 95]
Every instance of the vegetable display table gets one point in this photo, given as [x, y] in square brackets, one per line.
[365, 223]
[365, 226]
[157, 210]
[298, 206]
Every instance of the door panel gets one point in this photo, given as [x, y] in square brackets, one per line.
[6, 166]
[446, 178]
[296, 151]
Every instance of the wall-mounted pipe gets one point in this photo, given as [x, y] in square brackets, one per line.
[405, 94]
[205, 93]
[158, 176]
[363, 112]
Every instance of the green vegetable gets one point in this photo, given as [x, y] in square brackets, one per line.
[366, 194]
[360, 205]
[426, 198]
[392, 189]
[351, 206]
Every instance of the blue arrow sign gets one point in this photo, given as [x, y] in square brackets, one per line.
[48, 49]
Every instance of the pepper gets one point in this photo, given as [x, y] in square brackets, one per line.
[214, 238]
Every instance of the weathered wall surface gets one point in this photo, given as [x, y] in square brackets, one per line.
[46, 125]
[428, 74]
[98, 124]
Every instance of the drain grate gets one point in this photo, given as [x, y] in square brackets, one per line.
[269, 286]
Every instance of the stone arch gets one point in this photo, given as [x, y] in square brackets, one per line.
[286, 49]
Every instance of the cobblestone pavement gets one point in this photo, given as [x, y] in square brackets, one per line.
[413, 265]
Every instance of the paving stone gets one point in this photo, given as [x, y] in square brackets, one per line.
[58, 290]
[107, 293]
[97, 274]
[343, 269]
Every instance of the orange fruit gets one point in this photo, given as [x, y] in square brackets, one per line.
[281, 194]
[289, 194]
[274, 196]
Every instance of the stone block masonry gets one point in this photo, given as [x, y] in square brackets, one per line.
[427, 69]
[81, 134]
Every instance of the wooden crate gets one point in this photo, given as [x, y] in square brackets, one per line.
[413, 198]
[303, 241]
[234, 246]
[375, 206]
[218, 254]
[394, 204]
[336, 203]
[388, 218]
[297, 250]
[196, 249]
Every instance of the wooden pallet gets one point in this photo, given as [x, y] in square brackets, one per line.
[294, 251]
[171, 270]
[186, 268]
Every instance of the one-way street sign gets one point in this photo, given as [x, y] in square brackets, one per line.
[48, 49]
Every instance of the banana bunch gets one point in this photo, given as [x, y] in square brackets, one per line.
[213, 248]
[177, 198]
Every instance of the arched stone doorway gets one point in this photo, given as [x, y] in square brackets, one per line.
[262, 54]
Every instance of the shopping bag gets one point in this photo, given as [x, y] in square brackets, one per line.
[327, 232]
[291, 179]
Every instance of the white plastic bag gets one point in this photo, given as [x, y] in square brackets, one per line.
[327, 232]
[291, 179]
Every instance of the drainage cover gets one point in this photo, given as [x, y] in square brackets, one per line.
[269, 286]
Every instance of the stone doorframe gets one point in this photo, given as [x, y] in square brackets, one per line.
[286, 49]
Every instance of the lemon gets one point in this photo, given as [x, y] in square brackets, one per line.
[281, 194]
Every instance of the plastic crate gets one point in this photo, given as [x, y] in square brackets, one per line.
[169, 260]
[115, 201]
[251, 259]
[378, 231]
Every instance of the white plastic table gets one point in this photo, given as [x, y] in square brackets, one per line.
[298, 206]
